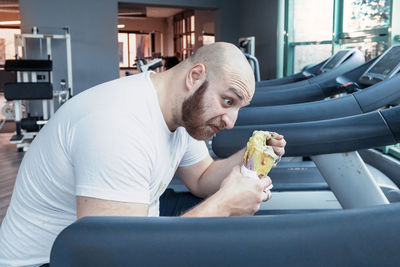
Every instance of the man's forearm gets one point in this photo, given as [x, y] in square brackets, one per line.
[210, 181]
[211, 207]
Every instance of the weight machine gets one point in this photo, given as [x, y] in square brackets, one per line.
[33, 86]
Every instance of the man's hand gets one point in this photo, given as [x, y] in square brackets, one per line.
[278, 143]
[238, 196]
[243, 195]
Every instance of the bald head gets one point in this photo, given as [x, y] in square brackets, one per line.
[226, 61]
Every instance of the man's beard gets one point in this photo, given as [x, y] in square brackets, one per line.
[192, 110]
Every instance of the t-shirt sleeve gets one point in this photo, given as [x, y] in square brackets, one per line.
[195, 152]
[111, 164]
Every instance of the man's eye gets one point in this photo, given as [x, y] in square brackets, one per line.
[228, 101]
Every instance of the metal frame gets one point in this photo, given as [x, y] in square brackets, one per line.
[339, 39]
[347, 53]
[23, 76]
[350, 180]
[371, 75]
[20, 40]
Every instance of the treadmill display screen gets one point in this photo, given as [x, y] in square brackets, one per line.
[337, 58]
[387, 63]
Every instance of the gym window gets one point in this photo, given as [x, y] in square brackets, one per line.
[184, 33]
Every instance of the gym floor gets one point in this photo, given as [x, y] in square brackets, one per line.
[10, 160]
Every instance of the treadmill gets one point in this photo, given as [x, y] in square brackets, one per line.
[366, 232]
[329, 87]
[373, 85]
[303, 175]
[341, 62]
[319, 139]
[305, 74]
[307, 93]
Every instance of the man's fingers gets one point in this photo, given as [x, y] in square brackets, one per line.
[266, 183]
[277, 142]
[276, 136]
[266, 195]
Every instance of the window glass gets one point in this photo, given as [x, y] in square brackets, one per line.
[132, 49]
[370, 49]
[208, 39]
[310, 54]
[7, 47]
[192, 23]
[123, 49]
[312, 20]
[360, 15]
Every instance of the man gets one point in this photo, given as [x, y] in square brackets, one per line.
[113, 149]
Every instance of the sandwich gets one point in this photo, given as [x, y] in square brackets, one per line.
[259, 157]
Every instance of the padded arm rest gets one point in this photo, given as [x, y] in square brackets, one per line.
[27, 91]
[359, 237]
[306, 93]
[28, 65]
[319, 137]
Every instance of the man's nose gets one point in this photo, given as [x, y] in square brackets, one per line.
[229, 119]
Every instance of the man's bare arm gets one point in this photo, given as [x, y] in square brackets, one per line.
[88, 206]
[205, 177]
[238, 196]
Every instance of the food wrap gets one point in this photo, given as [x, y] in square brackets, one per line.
[259, 157]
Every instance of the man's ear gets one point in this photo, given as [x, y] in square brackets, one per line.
[195, 77]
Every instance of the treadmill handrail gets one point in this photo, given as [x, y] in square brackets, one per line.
[358, 237]
[320, 137]
[306, 93]
[356, 59]
[293, 78]
[366, 100]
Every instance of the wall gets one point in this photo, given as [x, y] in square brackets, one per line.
[93, 26]
[169, 37]
[7, 16]
[148, 25]
[228, 12]
[259, 19]
[205, 23]
[94, 30]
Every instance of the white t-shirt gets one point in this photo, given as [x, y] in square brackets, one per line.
[109, 142]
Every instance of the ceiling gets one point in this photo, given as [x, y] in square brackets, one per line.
[128, 10]
[124, 10]
[9, 6]
[162, 12]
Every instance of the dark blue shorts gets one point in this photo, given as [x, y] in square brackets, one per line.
[176, 203]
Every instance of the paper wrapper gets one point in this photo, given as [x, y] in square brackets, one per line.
[252, 174]
[259, 162]
[259, 157]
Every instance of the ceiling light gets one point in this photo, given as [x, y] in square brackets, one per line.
[121, 26]
[11, 22]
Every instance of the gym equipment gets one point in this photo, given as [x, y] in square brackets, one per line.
[373, 85]
[143, 66]
[361, 237]
[255, 64]
[372, 129]
[313, 89]
[339, 63]
[29, 87]
[247, 46]
[318, 140]
[305, 74]
[170, 240]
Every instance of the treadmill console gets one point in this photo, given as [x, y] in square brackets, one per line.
[385, 67]
[336, 60]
